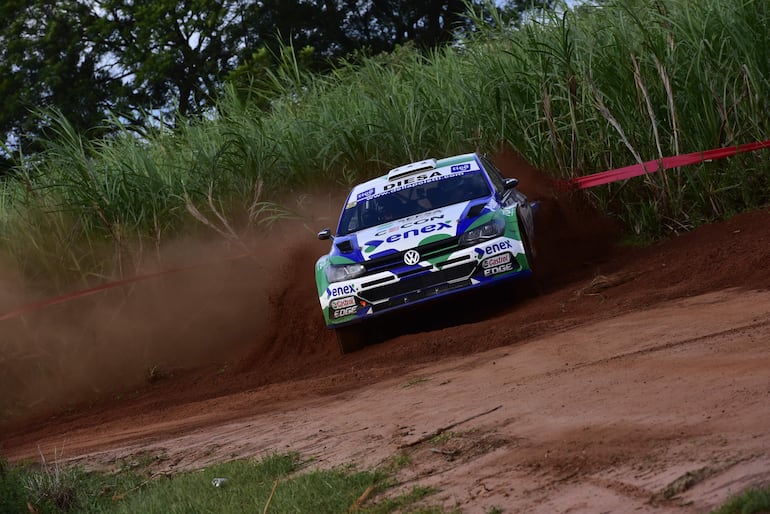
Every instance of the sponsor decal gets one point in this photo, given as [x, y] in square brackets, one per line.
[371, 246]
[415, 232]
[497, 260]
[460, 167]
[341, 303]
[502, 263]
[347, 311]
[411, 257]
[341, 290]
[409, 221]
[504, 268]
[498, 247]
[410, 180]
[414, 227]
[365, 194]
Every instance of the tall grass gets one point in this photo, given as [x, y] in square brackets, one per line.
[573, 91]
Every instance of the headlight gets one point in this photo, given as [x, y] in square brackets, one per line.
[344, 272]
[488, 230]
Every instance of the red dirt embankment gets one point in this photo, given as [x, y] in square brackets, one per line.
[637, 381]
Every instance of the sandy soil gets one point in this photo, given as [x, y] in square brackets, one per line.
[636, 382]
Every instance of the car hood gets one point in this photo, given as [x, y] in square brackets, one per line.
[410, 232]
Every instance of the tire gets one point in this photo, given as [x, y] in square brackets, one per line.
[350, 338]
[529, 250]
[530, 285]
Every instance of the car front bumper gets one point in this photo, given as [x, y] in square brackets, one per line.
[401, 285]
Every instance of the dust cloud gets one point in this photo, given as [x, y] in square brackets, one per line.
[217, 306]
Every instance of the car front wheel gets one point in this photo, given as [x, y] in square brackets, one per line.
[531, 286]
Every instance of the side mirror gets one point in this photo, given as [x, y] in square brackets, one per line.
[510, 183]
[325, 234]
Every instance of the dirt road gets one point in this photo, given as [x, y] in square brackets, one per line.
[637, 382]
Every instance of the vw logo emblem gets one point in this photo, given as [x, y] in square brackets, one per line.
[411, 257]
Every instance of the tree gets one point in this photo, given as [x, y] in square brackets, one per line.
[88, 58]
[334, 28]
[331, 29]
[170, 50]
[48, 59]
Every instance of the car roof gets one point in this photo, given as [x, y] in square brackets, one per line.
[415, 169]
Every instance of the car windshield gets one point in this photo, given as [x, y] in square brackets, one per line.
[403, 202]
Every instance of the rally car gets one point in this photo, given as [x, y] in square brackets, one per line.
[422, 231]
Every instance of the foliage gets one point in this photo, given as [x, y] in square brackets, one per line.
[12, 493]
[48, 57]
[752, 501]
[602, 87]
[172, 50]
[53, 487]
[275, 483]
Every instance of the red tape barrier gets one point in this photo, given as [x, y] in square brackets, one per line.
[635, 170]
[588, 181]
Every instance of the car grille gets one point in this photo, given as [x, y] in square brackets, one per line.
[426, 252]
[419, 286]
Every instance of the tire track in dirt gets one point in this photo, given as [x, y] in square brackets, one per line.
[743, 329]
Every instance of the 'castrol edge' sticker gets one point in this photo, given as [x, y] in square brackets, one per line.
[341, 303]
[500, 263]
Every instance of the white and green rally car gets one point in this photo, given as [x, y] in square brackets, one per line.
[424, 230]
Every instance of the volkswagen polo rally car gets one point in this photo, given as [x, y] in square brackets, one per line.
[424, 230]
